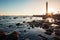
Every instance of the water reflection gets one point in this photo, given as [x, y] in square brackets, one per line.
[37, 18]
[50, 20]
[54, 25]
[29, 19]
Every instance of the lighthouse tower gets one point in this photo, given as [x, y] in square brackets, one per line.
[46, 8]
[48, 14]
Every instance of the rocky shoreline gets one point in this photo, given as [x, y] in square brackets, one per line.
[52, 29]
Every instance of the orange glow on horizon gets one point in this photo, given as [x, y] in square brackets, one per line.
[50, 10]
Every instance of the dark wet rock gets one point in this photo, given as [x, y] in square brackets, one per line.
[12, 36]
[32, 26]
[18, 24]
[44, 38]
[34, 23]
[58, 27]
[10, 26]
[24, 30]
[2, 35]
[58, 22]
[3, 17]
[57, 32]
[15, 17]
[56, 38]
[37, 25]
[45, 26]
[29, 28]
[23, 21]
[49, 31]
[28, 22]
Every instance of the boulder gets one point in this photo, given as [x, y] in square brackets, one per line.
[12, 36]
[18, 24]
[56, 38]
[49, 31]
[2, 35]
[57, 32]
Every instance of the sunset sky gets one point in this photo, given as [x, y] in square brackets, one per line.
[27, 7]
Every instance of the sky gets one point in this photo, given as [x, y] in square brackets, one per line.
[28, 7]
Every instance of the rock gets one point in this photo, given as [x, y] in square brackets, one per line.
[23, 21]
[12, 36]
[44, 38]
[35, 24]
[10, 26]
[24, 30]
[33, 21]
[2, 35]
[32, 26]
[3, 17]
[45, 26]
[58, 27]
[57, 32]
[18, 24]
[15, 17]
[56, 38]
[29, 28]
[49, 31]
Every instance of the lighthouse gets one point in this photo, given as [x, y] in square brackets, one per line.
[46, 8]
[48, 14]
